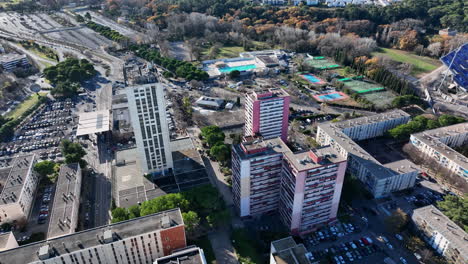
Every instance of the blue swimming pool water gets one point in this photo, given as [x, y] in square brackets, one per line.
[239, 68]
[328, 97]
[312, 78]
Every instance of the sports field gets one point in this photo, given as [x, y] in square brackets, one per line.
[321, 63]
[382, 99]
[421, 64]
[362, 86]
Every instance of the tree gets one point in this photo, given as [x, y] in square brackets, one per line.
[217, 218]
[134, 211]
[73, 152]
[456, 208]
[45, 167]
[163, 203]
[220, 152]
[79, 18]
[88, 16]
[414, 244]
[397, 221]
[191, 221]
[234, 74]
[120, 214]
[212, 135]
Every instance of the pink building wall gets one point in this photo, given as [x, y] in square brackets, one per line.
[284, 129]
[256, 117]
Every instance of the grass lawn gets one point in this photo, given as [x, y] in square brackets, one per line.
[24, 106]
[205, 244]
[245, 247]
[230, 52]
[4, 3]
[420, 64]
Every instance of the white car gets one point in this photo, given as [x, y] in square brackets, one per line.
[399, 237]
[389, 246]
[403, 260]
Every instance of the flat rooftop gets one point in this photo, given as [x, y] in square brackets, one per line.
[267, 94]
[4, 238]
[435, 139]
[288, 252]
[191, 255]
[11, 57]
[210, 101]
[94, 122]
[365, 120]
[300, 160]
[89, 238]
[335, 131]
[13, 176]
[66, 201]
[438, 221]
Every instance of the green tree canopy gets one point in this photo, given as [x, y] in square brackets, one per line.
[45, 167]
[73, 152]
[191, 220]
[456, 208]
[397, 221]
[120, 214]
[220, 152]
[165, 202]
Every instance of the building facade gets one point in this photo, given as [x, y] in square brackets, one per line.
[7, 241]
[18, 183]
[64, 214]
[304, 187]
[442, 234]
[138, 241]
[267, 114]
[148, 115]
[12, 60]
[379, 179]
[438, 144]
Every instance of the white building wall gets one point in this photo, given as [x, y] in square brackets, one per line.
[245, 188]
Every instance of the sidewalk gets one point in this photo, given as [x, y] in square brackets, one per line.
[222, 247]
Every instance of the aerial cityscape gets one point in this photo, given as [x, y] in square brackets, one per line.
[233, 132]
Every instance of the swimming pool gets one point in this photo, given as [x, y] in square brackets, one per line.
[330, 96]
[238, 68]
[312, 79]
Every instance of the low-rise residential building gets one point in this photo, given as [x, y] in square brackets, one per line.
[438, 145]
[267, 114]
[304, 187]
[210, 103]
[10, 61]
[18, 183]
[442, 234]
[379, 179]
[189, 255]
[141, 240]
[64, 214]
[7, 241]
[287, 251]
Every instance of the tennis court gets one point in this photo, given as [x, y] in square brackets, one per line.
[333, 96]
[361, 87]
[381, 99]
[321, 63]
[312, 79]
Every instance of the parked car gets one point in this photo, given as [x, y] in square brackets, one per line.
[399, 237]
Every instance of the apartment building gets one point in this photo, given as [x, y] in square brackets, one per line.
[7, 241]
[138, 241]
[147, 109]
[18, 183]
[287, 251]
[64, 214]
[438, 145]
[189, 255]
[304, 187]
[380, 179]
[267, 114]
[442, 234]
[10, 61]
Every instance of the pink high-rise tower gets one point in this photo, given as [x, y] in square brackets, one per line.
[267, 114]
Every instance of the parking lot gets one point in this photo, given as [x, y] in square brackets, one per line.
[43, 132]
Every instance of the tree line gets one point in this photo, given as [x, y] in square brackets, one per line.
[422, 123]
[202, 208]
[107, 32]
